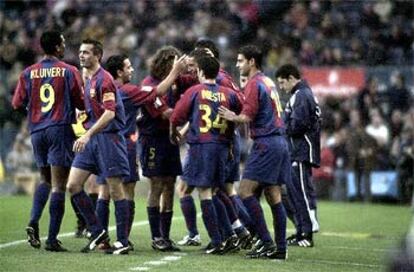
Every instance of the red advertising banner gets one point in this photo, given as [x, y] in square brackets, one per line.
[339, 82]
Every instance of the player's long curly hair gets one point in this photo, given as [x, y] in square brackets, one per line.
[162, 61]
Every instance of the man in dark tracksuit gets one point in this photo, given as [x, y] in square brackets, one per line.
[302, 119]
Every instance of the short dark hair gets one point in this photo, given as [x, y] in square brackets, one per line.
[97, 47]
[252, 52]
[162, 61]
[287, 70]
[49, 40]
[209, 65]
[115, 63]
[198, 53]
[207, 43]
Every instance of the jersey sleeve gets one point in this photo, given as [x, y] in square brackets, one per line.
[236, 103]
[251, 101]
[108, 95]
[182, 109]
[156, 108]
[20, 93]
[143, 96]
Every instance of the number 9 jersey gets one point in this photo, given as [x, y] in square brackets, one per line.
[50, 90]
[199, 105]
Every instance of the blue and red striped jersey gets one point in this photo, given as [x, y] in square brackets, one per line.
[151, 121]
[223, 78]
[199, 105]
[262, 106]
[50, 90]
[133, 98]
[101, 94]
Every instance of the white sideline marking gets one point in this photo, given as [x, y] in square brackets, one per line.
[139, 268]
[180, 253]
[171, 258]
[362, 249]
[155, 263]
[163, 261]
[339, 263]
[356, 235]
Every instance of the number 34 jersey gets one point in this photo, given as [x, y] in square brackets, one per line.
[199, 105]
[50, 90]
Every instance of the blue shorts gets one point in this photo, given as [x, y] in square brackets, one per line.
[105, 155]
[206, 165]
[269, 161]
[133, 162]
[53, 146]
[233, 165]
[159, 157]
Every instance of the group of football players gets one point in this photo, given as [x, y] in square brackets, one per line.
[185, 98]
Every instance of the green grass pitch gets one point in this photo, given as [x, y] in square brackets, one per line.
[353, 237]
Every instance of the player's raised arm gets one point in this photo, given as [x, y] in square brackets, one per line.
[178, 67]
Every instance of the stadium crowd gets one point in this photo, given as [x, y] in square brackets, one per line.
[312, 33]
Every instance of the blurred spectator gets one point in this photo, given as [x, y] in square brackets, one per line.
[20, 162]
[378, 130]
[361, 150]
[323, 177]
[368, 98]
[403, 155]
[399, 96]
[396, 123]
[339, 143]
